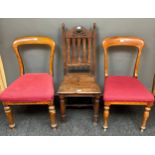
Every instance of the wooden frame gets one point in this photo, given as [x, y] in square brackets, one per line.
[3, 84]
[25, 41]
[124, 41]
[79, 51]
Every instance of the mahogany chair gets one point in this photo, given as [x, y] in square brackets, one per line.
[31, 88]
[79, 52]
[125, 90]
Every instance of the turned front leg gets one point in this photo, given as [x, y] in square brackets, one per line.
[145, 118]
[52, 113]
[106, 116]
[9, 116]
[96, 109]
[62, 108]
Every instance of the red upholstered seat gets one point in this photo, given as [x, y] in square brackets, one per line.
[125, 88]
[30, 87]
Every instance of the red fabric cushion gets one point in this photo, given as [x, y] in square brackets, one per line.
[126, 88]
[30, 87]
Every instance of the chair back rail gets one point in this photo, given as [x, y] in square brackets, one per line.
[33, 40]
[122, 41]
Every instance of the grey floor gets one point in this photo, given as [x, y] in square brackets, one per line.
[34, 121]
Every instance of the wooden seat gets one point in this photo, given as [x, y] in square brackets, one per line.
[79, 84]
[125, 90]
[31, 88]
[79, 51]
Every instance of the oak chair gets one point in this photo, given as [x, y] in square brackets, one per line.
[31, 88]
[125, 90]
[79, 55]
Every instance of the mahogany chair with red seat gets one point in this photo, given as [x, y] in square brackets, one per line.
[125, 90]
[31, 88]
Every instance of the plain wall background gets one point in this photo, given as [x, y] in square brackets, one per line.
[35, 58]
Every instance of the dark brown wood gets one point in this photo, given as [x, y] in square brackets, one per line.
[124, 41]
[83, 49]
[25, 41]
[80, 56]
[62, 107]
[74, 51]
[96, 109]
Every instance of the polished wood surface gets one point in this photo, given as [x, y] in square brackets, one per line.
[29, 41]
[124, 41]
[34, 40]
[79, 55]
[3, 83]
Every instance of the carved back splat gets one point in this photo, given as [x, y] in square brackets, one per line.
[79, 48]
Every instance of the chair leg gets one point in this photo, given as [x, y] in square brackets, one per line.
[62, 108]
[9, 116]
[145, 118]
[96, 110]
[106, 116]
[52, 116]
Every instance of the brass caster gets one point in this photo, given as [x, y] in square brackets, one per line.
[12, 126]
[142, 130]
[54, 127]
[105, 129]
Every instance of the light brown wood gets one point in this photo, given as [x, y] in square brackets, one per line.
[79, 83]
[34, 40]
[3, 84]
[145, 118]
[52, 116]
[25, 41]
[124, 41]
[106, 116]
[9, 116]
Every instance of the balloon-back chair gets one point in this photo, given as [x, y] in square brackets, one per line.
[125, 90]
[31, 88]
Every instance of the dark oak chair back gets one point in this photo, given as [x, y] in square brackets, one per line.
[79, 48]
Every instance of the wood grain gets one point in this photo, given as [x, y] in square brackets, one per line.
[124, 41]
